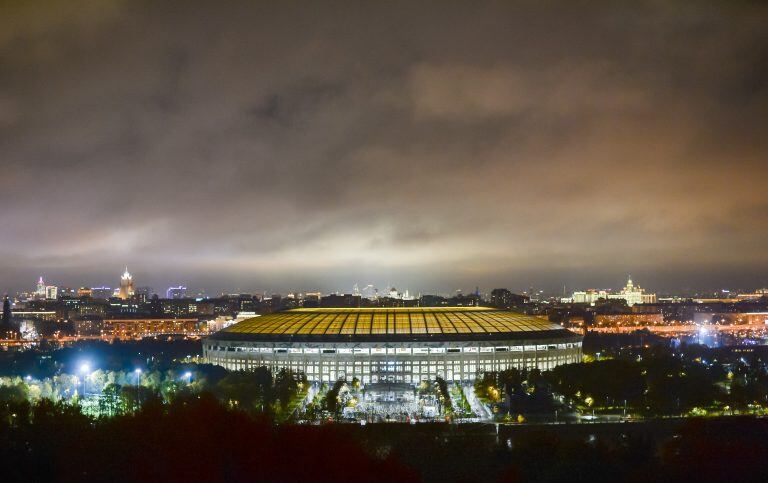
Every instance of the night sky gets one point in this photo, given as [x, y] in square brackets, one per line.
[281, 145]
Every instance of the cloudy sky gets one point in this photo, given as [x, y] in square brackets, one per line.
[284, 145]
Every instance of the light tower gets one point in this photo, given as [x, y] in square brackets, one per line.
[126, 285]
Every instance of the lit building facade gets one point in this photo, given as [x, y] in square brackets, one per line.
[756, 295]
[589, 296]
[179, 292]
[126, 289]
[628, 320]
[731, 318]
[147, 327]
[40, 289]
[401, 345]
[633, 294]
[102, 292]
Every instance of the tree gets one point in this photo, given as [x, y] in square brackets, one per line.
[14, 393]
[111, 401]
[332, 401]
[443, 395]
[606, 382]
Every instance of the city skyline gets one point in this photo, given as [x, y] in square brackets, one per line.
[286, 147]
[44, 286]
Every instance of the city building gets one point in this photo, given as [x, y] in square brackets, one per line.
[137, 328]
[102, 292]
[7, 330]
[628, 320]
[588, 296]
[40, 290]
[731, 318]
[311, 299]
[185, 307]
[756, 295]
[85, 327]
[631, 293]
[126, 289]
[51, 292]
[338, 300]
[47, 315]
[502, 298]
[400, 345]
[634, 294]
[142, 294]
[179, 292]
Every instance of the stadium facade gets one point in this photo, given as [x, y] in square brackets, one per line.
[399, 345]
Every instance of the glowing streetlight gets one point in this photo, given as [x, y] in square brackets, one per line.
[188, 377]
[84, 370]
[138, 381]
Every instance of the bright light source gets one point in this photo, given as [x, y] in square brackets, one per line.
[188, 375]
[137, 371]
[85, 367]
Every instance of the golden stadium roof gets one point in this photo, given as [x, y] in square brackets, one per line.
[392, 323]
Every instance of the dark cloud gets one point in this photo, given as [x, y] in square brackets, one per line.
[300, 145]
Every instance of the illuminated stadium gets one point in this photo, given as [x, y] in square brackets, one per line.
[398, 345]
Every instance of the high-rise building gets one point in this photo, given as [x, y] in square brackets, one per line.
[589, 296]
[40, 291]
[126, 290]
[634, 294]
[142, 294]
[5, 322]
[505, 299]
[179, 292]
[51, 292]
[101, 292]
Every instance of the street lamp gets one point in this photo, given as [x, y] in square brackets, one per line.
[84, 369]
[188, 377]
[138, 381]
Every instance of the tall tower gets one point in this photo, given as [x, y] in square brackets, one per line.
[126, 285]
[40, 292]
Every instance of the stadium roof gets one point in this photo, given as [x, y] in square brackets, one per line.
[381, 324]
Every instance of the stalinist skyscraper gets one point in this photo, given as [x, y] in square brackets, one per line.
[126, 285]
